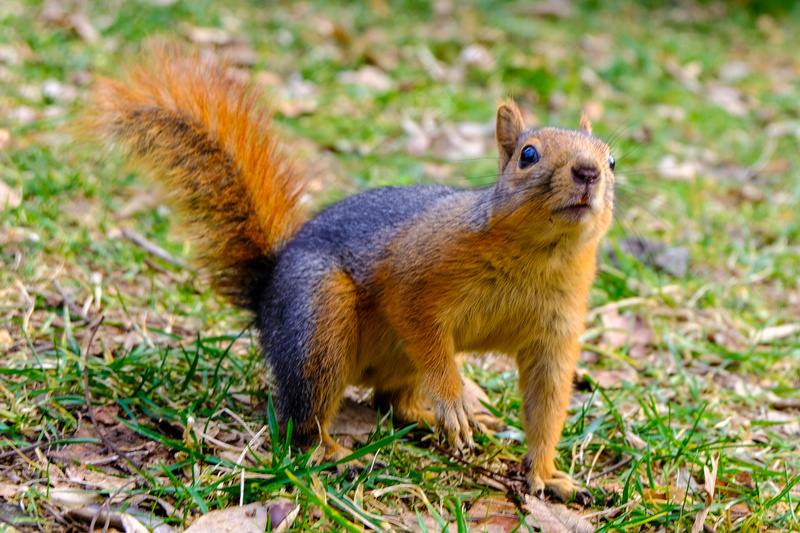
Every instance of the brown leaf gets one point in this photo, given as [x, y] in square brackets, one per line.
[670, 168]
[105, 414]
[494, 515]
[739, 510]
[6, 341]
[626, 330]
[9, 198]
[412, 521]
[97, 479]
[474, 395]
[8, 491]
[56, 90]
[709, 483]
[546, 8]
[354, 419]
[771, 334]
[729, 99]
[368, 77]
[216, 36]
[613, 378]
[774, 400]
[250, 518]
[477, 55]
[554, 518]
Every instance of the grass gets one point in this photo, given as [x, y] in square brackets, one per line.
[173, 374]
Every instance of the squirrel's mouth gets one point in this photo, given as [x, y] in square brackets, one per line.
[575, 211]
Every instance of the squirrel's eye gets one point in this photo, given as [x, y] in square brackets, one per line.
[611, 162]
[528, 156]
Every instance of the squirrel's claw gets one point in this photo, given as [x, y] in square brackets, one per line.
[456, 420]
[560, 485]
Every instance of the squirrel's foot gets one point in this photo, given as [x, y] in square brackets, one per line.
[423, 417]
[489, 422]
[333, 452]
[456, 420]
[560, 485]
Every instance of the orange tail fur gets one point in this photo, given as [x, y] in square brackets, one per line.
[203, 134]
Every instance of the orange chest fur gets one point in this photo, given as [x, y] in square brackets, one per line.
[506, 310]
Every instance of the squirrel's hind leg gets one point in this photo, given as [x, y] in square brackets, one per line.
[312, 355]
[407, 403]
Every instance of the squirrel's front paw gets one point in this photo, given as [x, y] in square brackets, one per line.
[560, 485]
[455, 418]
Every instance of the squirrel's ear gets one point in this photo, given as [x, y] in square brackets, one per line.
[509, 125]
[586, 124]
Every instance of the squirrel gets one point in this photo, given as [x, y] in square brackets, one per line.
[384, 287]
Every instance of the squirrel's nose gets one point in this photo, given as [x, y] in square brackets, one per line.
[585, 173]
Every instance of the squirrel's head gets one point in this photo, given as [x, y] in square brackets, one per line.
[560, 181]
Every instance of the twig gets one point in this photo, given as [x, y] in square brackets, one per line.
[609, 512]
[614, 467]
[12, 524]
[596, 456]
[26, 449]
[107, 506]
[154, 249]
[90, 408]
[31, 306]
[504, 480]
[72, 307]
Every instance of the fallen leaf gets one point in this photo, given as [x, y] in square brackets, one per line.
[774, 400]
[771, 334]
[613, 378]
[474, 395]
[81, 25]
[709, 482]
[22, 114]
[634, 440]
[626, 330]
[105, 414]
[9, 198]
[73, 497]
[547, 8]
[131, 521]
[6, 341]
[131, 525]
[437, 172]
[252, 518]
[414, 522]
[671, 169]
[56, 90]
[554, 518]
[97, 479]
[739, 510]
[477, 55]
[787, 423]
[298, 96]
[673, 260]
[368, 77]
[734, 71]
[354, 419]
[217, 36]
[686, 74]
[494, 515]
[729, 99]
[8, 491]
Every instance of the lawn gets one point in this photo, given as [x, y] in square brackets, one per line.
[687, 398]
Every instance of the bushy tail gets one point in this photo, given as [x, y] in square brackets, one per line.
[204, 134]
